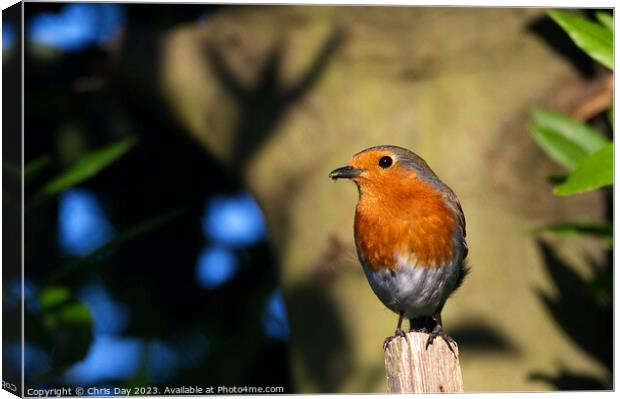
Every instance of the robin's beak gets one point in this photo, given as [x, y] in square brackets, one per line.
[346, 172]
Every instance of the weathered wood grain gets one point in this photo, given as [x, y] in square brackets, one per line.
[410, 367]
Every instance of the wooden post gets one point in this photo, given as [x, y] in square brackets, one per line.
[410, 367]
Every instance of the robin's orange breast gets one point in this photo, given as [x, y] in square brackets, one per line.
[415, 227]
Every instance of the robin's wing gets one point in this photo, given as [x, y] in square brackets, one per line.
[454, 203]
[458, 210]
[461, 217]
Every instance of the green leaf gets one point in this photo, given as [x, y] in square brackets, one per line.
[35, 166]
[562, 150]
[62, 323]
[53, 296]
[75, 313]
[610, 115]
[596, 40]
[89, 166]
[70, 329]
[606, 19]
[594, 171]
[588, 138]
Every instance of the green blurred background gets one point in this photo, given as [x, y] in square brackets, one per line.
[181, 228]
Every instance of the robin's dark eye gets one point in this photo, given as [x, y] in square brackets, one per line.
[385, 162]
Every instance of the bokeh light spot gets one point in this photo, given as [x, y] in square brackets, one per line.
[109, 317]
[77, 26]
[109, 358]
[82, 224]
[234, 220]
[215, 267]
[275, 318]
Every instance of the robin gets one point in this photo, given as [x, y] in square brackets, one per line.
[410, 236]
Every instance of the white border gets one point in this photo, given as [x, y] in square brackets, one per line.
[479, 3]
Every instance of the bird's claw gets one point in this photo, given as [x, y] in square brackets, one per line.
[439, 332]
[398, 333]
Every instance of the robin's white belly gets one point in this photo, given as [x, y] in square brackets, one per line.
[414, 290]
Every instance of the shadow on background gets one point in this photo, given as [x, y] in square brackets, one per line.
[482, 338]
[263, 104]
[567, 381]
[582, 308]
[325, 348]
